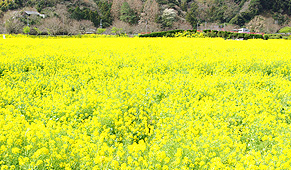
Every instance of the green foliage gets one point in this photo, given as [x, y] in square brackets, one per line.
[26, 29]
[282, 6]
[216, 11]
[116, 31]
[272, 36]
[8, 5]
[192, 14]
[37, 30]
[85, 14]
[163, 33]
[100, 30]
[287, 37]
[48, 31]
[162, 2]
[266, 37]
[43, 4]
[77, 13]
[16, 4]
[242, 18]
[247, 36]
[231, 35]
[105, 14]
[184, 6]
[257, 36]
[94, 16]
[127, 14]
[285, 30]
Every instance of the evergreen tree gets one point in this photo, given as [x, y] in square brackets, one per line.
[77, 14]
[127, 14]
[192, 14]
[105, 14]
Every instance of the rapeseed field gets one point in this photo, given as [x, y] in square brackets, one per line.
[141, 103]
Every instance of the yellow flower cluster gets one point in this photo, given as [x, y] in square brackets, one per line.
[140, 103]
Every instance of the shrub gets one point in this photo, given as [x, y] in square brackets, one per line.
[100, 30]
[214, 31]
[285, 30]
[266, 37]
[170, 33]
[26, 30]
[273, 36]
[240, 35]
[247, 36]
[192, 31]
[257, 36]
[206, 31]
[235, 35]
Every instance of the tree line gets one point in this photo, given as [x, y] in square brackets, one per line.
[195, 12]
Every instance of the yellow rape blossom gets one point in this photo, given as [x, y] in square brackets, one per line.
[140, 103]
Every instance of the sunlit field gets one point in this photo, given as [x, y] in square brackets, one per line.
[141, 103]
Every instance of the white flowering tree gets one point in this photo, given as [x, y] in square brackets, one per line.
[168, 17]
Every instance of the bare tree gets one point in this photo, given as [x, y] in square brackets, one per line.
[86, 26]
[137, 5]
[115, 8]
[74, 27]
[51, 26]
[12, 23]
[270, 25]
[153, 27]
[151, 10]
[135, 29]
[2, 27]
[126, 27]
[80, 27]
[63, 14]
[183, 25]
[263, 24]
[13, 26]
[148, 27]
[61, 11]
[230, 27]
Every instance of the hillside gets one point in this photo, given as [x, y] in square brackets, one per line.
[134, 16]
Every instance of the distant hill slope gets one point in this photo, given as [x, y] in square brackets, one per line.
[80, 16]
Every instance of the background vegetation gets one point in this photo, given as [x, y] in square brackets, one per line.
[73, 17]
